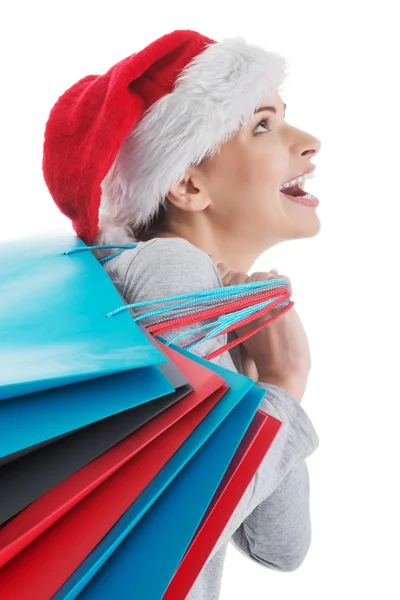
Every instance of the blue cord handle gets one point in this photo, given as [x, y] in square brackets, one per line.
[223, 323]
[104, 247]
[214, 294]
[204, 297]
[204, 303]
[105, 259]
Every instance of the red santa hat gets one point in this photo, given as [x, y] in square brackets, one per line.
[116, 143]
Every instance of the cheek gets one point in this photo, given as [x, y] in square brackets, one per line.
[266, 170]
[245, 175]
[252, 173]
[261, 167]
[231, 177]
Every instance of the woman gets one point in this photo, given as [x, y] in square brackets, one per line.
[184, 148]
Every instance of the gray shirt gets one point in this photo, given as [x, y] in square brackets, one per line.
[271, 524]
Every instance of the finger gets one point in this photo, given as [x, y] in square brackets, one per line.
[224, 269]
[262, 276]
[227, 274]
[266, 275]
[235, 278]
[231, 277]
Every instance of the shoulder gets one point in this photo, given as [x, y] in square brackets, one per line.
[163, 267]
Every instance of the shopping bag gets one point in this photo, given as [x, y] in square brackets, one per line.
[53, 327]
[114, 492]
[135, 417]
[33, 418]
[28, 480]
[238, 473]
[160, 538]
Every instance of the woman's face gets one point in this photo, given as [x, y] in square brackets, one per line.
[242, 181]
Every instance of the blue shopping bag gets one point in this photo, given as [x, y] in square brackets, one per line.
[240, 386]
[53, 325]
[33, 418]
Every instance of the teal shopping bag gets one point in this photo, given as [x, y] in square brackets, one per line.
[53, 325]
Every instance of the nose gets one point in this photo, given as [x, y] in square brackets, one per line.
[304, 143]
[309, 144]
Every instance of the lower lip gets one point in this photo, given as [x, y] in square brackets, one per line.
[312, 202]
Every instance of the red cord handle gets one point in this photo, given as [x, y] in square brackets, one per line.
[280, 293]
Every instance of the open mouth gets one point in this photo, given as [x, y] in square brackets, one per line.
[294, 191]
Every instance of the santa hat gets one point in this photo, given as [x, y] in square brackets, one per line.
[116, 143]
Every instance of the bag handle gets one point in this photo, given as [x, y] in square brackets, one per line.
[230, 317]
[227, 322]
[102, 247]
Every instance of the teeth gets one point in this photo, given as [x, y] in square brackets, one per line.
[297, 181]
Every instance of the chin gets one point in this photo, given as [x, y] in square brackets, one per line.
[307, 230]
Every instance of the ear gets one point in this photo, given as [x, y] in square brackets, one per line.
[190, 194]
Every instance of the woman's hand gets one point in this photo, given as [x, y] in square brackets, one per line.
[280, 350]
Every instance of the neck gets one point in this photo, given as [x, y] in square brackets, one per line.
[239, 251]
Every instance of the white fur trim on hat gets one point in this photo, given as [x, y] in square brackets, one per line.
[213, 97]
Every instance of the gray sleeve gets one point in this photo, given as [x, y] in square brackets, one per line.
[271, 523]
[277, 534]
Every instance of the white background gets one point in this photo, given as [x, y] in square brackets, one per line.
[344, 88]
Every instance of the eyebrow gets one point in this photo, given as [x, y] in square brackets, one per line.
[271, 108]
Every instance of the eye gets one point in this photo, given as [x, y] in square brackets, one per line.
[265, 123]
